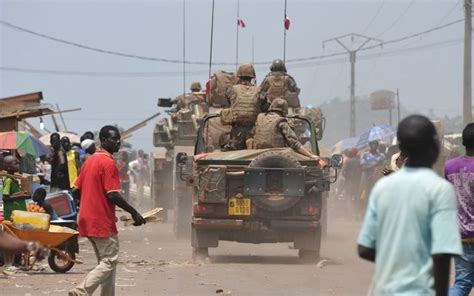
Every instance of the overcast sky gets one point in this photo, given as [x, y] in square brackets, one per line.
[429, 76]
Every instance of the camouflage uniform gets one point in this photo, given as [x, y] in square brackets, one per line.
[241, 132]
[238, 134]
[272, 130]
[278, 71]
[185, 100]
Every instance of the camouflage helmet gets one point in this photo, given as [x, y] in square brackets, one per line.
[196, 86]
[246, 70]
[278, 66]
[280, 105]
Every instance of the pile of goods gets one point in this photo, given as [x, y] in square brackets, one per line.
[35, 208]
[30, 220]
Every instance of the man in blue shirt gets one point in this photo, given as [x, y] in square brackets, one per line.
[372, 167]
[410, 229]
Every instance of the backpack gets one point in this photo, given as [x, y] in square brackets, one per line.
[245, 108]
[278, 87]
[219, 83]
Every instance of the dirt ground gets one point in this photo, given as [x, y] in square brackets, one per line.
[153, 262]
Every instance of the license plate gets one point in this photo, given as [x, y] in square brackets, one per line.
[239, 206]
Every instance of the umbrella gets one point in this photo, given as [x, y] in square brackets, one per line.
[126, 149]
[383, 132]
[343, 145]
[74, 138]
[24, 142]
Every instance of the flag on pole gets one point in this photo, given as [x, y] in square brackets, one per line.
[287, 23]
[241, 23]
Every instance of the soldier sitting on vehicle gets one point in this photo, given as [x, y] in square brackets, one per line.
[272, 130]
[245, 106]
[278, 83]
[185, 101]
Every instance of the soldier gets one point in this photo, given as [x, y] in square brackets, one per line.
[245, 106]
[272, 130]
[183, 101]
[278, 83]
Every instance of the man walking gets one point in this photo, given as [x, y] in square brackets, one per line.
[372, 167]
[98, 189]
[460, 172]
[410, 229]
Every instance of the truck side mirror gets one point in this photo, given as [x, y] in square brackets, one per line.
[336, 161]
[181, 158]
[165, 102]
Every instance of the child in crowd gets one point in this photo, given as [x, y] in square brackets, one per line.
[13, 198]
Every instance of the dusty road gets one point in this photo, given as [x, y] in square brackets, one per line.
[152, 262]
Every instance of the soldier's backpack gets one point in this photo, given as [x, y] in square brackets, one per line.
[245, 108]
[219, 83]
[278, 87]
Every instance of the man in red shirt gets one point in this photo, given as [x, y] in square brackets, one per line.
[98, 189]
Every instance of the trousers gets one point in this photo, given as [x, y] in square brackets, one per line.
[103, 275]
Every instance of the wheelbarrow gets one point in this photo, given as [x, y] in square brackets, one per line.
[61, 258]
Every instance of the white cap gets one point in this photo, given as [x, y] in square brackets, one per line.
[87, 143]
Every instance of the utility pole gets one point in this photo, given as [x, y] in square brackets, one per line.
[237, 37]
[467, 84]
[352, 58]
[184, 47]
[284, 32]
[398, 106]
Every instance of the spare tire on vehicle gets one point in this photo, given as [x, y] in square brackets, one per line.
[278, 201]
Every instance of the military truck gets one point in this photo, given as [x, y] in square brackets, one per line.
[174, 134]
[257, 195]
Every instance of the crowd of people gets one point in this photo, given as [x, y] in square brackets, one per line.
[95, 179]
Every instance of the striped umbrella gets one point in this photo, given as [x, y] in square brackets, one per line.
[383, 132]
[24, 142]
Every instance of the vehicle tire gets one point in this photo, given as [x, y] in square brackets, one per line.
[275, 159]
[307, 256]
[58, 264]
[309, 245]
[182, 213]
[200, 254]
[324, 214]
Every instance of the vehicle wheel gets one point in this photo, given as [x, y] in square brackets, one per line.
[307, 256]
[324, 214]
[58, 263]
[200, 254]
[275, 159]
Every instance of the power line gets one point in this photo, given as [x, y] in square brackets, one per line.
[398, 19]
[202, 72]
[411, 36]
[392, 25]
[146, 58]
[448, 13]
[304, 59]
[379, 9]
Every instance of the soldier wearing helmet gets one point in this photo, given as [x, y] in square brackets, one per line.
[245, 105]
[272, 130]
[185, 100]
[278, 83]
[196, 86]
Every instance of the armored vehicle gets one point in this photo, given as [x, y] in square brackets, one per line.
[173, 135]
